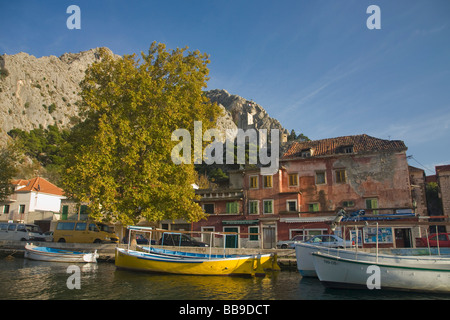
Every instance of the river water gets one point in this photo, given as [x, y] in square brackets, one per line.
[22, 279]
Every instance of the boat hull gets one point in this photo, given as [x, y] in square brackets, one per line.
[143, 261]
[56, 255]
[337, 272]
[268, 261]
[303, 255]
[305, 265]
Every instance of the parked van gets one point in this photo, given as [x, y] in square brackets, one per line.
[83, 232]
[20, 232]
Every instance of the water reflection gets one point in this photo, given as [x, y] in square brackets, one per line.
[167, 286]
[27, 279]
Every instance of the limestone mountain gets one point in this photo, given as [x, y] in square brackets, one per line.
[246, 114]
[41, 91]
[38, 92]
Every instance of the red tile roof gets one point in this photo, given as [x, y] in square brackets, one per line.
[443, 168]
[38, 184]
[360, 144]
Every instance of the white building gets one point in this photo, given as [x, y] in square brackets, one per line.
[34, 199]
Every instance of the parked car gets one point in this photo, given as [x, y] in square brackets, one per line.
[140, 239]
[433, 240]
[20, 232]
[290, 244]
[48, 236]
[331, 241]
[173, 239]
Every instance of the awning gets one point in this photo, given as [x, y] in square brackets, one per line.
[233, 222]
[374, 217]
[307, 219]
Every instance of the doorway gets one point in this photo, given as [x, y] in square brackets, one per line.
[403, 238]
[208, 237]
[231, 240]
[269, 237]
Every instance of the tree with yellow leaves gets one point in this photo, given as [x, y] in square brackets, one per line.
[120, 155]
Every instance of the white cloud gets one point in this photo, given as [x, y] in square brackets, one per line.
[419, 129]
[427, 32]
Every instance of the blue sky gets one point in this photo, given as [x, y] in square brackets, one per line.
[313, 65]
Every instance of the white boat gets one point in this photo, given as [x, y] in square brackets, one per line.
[58, 255]
[303, 255]
[338, 272]
[305, 265]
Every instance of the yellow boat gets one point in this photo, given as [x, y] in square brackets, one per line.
[268, 261]
[145, 261]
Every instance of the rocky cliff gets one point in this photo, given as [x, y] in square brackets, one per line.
[41, 91]
[246, 114]
[44, 91]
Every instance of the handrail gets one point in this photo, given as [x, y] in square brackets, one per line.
[180, 232]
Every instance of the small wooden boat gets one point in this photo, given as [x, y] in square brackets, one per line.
[58, 255]
[338, 272]
[146, 261]
[268, 261]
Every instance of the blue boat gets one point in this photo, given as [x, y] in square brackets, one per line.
[58, 255]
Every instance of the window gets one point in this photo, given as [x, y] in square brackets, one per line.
[253, 206]
[268, 206]
[267, 181]
[372, 204]
[305, 153]
[22, 208]
[232, 207]
[320, 177]
[65, 212]
[12, 227]
[315, 232]
[291, 205]
[253, 237]
[340, 176]
[83, 209]
[208, 208]
[346, 149]
[440, 237]
[93, 227]
[254, 182]
[185, 239]
[293, 180]
[81, 226]
[348, 204]
[313, 207]
[6, 208]
[65, 226]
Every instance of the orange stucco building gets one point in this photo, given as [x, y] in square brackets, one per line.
[314, 181]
